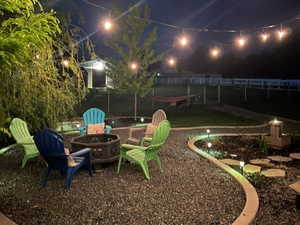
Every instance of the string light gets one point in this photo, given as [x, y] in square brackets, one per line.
[108, 24]
[241, 42]
[281, 34]
[65, 63]
[172, 61]
[183, 41]
[133, 66]
[215, 52]
[264, 37]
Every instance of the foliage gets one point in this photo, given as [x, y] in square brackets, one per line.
[263, 146]
[216, 154]
[133, 44]
[256, 179]
[34, 85]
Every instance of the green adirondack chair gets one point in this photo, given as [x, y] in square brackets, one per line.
[19, 130]
[141, 155]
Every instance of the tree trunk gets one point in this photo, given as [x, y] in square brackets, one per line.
[135, 106]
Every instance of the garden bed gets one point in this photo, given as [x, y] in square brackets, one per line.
[277, 200]
[191, 190]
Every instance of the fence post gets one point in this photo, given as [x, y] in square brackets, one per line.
[219, 93]
[108, 102]
[188, 93]
[245, 94]
[204, 95]
[153, 94]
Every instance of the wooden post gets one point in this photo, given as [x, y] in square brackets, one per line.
[245, 94]
[204, 95]
[188, 94]
[219, 94]
[90, 78]
[135, 106]
[268, 92]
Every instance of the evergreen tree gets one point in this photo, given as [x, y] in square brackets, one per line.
[133, 43]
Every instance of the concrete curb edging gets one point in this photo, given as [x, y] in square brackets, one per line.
[252, 202]
[5, 221]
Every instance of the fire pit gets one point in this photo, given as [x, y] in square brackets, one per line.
[105, 147]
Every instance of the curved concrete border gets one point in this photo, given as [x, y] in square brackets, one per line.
[5, 221]
[252, 202]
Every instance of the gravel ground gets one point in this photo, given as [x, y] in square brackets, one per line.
[191, 190]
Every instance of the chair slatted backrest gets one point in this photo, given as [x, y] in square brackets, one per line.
[93, 116]
[51, 146]
[158, 116]
[19, 130]
[161, 133]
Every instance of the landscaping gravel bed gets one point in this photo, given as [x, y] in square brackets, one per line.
[191, 190]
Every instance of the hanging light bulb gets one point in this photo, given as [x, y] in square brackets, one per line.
[183, 40]
[133, 66]
[215, 52]
[241, 42]
[171, 61]
[281, 34]
[65, 63]
[264, 37]
[108, 24]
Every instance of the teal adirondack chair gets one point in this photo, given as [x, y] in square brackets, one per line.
[93, 116]
[141, 155]
[19, 131]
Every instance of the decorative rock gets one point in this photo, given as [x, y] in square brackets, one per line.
[296, 187]
[279, 158]
[295, 155]
[263, 162]
[273, 173]
[233, 155]
[231, 162]
[251, 168]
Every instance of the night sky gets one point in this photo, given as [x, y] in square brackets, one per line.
[211, 14]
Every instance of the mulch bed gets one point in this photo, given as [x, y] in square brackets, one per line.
[191, 190]
[277, 200]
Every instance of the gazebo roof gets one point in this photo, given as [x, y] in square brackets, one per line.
[91, 63]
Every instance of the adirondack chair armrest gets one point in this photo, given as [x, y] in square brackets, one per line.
[82, 152]
[135, 129]
[5, 149]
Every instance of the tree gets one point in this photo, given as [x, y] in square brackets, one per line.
[34, 84]
[133, 44]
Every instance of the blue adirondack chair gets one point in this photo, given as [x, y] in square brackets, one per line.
[93, 116]
[51, 146]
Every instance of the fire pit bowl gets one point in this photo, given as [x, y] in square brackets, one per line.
[105, 147]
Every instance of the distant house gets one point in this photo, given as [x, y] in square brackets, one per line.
[96, 76]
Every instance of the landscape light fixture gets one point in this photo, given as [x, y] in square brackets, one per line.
[209, 144]
[183, 41]
[242, 164]
[281, 34]
[241, 42]
[208, 132]
[142, 119]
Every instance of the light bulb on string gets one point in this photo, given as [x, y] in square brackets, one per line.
[264, 37]
[133, 66]
[183, 40]
[171, 62]
[215, 53]
[65, 63]
[241, 42]
[281, 34]
[108, 24]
